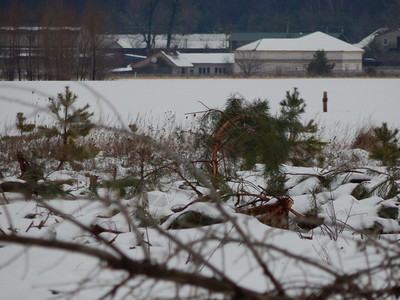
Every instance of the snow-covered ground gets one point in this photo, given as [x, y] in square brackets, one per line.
[351, 102]
[37, 273]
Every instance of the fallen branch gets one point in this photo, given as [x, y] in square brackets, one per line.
[4, 195]
[145, 267]
[200, 199]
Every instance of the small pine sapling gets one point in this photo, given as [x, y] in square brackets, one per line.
[246, 132]
[22, 126]
[303, 145]
[71, 123]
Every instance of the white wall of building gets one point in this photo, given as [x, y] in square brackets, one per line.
[277, 63]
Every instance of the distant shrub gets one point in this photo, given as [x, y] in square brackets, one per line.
[320, 65]
[370, 71]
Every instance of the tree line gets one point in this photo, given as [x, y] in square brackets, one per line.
[61, 40]
[356, 17]
[60, 46]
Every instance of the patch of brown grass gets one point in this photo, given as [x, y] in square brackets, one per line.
[364, 139]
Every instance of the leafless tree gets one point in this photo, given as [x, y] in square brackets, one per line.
[181, 17]
[146, 19]
[248, 62]
[150, 18]
[32, 60]
[12, 42]
[95, 42]
[58, 37]
[172, 20]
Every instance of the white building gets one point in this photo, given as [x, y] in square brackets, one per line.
[178, 41]
[176, 63]
[280, 56]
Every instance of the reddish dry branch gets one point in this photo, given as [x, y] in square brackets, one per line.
[30, 226]
[24, 165]
[268, 208]
[275, 214]
[187, 182]
[217, 142]
[295, 213]
[92, 180]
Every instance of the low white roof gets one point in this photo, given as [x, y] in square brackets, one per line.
[189, 41]
[135, 56]
[209, 58]
[311, 42]
[125, 69]
[178, 60]
[187, 60]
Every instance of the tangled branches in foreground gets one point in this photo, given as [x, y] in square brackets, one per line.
[117, 244]
[239, 258]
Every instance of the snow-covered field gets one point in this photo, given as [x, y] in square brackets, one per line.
[301, 261]
[351, 102]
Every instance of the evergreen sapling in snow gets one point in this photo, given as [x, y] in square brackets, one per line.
[71, 123]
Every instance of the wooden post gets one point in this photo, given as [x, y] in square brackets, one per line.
[325, 102]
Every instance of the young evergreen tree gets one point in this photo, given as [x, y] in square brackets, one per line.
[303, 145]
[320, 65]
[71, 123]
[246, 132]
[21, 124]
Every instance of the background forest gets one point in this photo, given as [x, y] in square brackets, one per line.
[357, 18]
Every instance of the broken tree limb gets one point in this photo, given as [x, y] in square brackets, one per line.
[217, 143]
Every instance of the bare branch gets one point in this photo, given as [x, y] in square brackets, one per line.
[135, 268]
